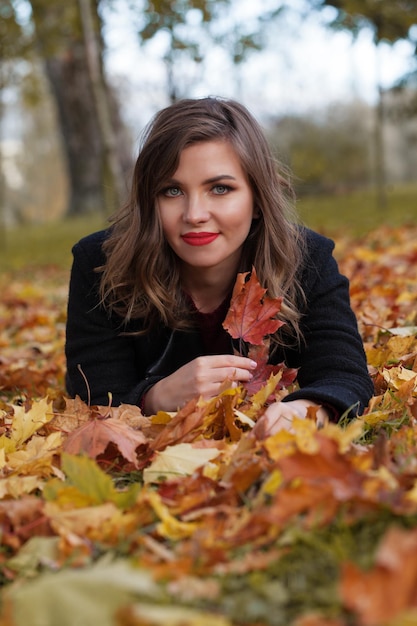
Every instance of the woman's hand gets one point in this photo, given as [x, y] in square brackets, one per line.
[279, 416]
[203, 376]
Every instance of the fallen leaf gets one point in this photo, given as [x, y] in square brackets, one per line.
[179, 460]
[37, 456]
[389, 588]
[94, 437]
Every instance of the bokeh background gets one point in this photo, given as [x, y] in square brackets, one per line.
[334, 84]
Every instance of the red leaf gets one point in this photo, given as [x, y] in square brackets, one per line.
[94, 437]
[264, 370]
[251, 313]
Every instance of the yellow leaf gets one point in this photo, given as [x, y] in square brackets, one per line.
[280, 445]
[179, 460]
[67, 496]
[211, 470]
[375, 417]
[36, 457]
[396, 376]
[162, 417]
[272, 483]
[16, 486]
[6, 446]
[170, 527]
[344, 436]
[259, 399]
[395, 348]
[304, 431]
[25, 424]
[411, 495]
[96, 523]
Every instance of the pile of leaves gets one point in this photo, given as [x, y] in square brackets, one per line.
[206, 517]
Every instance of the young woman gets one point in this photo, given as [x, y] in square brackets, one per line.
[148, 296]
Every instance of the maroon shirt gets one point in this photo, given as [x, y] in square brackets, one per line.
[215, 339]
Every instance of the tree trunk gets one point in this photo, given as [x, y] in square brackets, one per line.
[380, 173]
[61, 44]
[113, 173]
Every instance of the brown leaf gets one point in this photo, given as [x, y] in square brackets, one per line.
[381, 594]
[183, 428]
[21, 519]
[96, 435]
[327, 466]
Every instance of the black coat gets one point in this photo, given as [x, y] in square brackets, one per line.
[331, 362]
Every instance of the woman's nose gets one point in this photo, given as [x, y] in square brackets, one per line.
[195, 210]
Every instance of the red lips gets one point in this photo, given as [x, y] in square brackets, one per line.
[199, 239]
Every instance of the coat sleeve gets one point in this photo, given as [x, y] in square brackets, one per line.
[102, 364]
[331, 360]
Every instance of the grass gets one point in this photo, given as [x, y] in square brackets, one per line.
[358, 213]
[49, 244]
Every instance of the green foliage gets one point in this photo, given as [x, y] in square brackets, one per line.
[326, 153]
[305, 577]
[32, 245]
[15, 43]
[389, 20]
[193, 26]
[357, 212]
[88, 483]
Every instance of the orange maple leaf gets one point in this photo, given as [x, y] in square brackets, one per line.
[251, 318]
[251, 315]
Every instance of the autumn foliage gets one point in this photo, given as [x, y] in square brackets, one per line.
[200, 518]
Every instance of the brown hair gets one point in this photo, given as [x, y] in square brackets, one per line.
[141, 276]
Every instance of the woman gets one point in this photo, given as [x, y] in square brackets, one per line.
[148, 296]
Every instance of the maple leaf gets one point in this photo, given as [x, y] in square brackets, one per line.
[252, 318]
[26, 423]
[16, 486]
[264, 370]
[95, 436]
[86, 484]
[37, 457]
[251, 315]
[169, 525]
[183, 428]
[179, 460]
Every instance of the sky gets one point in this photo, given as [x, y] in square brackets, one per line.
[303, 67]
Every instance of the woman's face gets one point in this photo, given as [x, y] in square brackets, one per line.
[206, 208]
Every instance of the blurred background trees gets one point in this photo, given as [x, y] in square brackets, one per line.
[389, 22]
[67, 143]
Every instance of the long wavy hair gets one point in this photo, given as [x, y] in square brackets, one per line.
[141, 276]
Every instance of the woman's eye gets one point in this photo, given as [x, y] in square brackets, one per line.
[172, 192]
[221, 189]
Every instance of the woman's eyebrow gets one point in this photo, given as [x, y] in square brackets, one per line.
[215, 179]
[207, 181]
